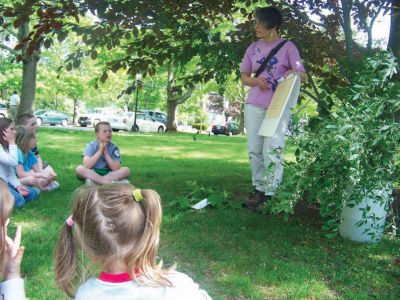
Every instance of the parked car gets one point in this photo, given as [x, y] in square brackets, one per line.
[230, 128]
[94, 116]
[156, 115]
[3, 110]
[144, 123]
[52, 117]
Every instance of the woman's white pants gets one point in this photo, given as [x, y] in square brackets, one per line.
[265, 153]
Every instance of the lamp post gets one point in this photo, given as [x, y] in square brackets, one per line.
[201, 116]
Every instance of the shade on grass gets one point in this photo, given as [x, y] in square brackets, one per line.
[232, 253]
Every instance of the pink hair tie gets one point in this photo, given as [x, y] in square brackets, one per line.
[70, 221]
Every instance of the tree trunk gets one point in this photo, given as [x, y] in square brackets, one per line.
[241, 124]
[394, 36]
[174, 99]
[28, 85]
[394, 41]
[347, 30]
[75, 110]
[172, 102]
[172, 105]
[29, 69]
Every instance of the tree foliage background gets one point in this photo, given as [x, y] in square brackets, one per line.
[188, 43]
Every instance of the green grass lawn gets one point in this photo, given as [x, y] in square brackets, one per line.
[232, 253]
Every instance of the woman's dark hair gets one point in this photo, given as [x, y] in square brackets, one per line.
[4, 124]
[270, 17]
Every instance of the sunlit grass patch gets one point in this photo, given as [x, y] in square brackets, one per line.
[232, 253]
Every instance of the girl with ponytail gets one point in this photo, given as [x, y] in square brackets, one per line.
[117, 227]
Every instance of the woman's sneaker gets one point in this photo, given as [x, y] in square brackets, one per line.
[51, 186]
[256, 199]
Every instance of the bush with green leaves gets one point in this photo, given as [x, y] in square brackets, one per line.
[341, 160]
[198, 125]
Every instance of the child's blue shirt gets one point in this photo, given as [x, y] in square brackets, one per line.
[27, 161]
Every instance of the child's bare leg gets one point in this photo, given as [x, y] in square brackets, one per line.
[86, 173]
[30, 181]
[121, 173]
[42, 182]
[49, 171]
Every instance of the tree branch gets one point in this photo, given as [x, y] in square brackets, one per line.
[305, 17]
[14, 33]
[317, 98]
[185, 96]
[336, 10]
[238, 99]
[363, 16]
[311, 96]
[363, 12]
[15, 52]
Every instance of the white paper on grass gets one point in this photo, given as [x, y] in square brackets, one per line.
[201, 204]
[284, 99]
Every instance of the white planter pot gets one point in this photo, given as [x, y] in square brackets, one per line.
[372, 229]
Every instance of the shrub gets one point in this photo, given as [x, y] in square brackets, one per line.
[197, 126]
[352, 154]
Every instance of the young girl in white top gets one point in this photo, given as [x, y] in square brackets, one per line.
[117, 227]
[28, 170]
[10, 251]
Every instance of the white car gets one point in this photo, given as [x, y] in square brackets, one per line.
[3, 110]
[144, 123]
[94, 116]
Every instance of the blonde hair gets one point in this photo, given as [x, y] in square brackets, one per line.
[102, 123]
[23, 139]
[6, 207]
[110, 225]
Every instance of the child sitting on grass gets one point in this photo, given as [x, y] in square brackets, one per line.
[10, 251]
[8, 162]
[117, 227]
[28, 169]
[102, 159]
[28, 121]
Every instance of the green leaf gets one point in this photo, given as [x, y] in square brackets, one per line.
[354, 157]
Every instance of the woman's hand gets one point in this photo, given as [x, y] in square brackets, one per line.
[14, 254]
[262, 83]
[303, 76]
[258, 81]
[9, 136]
[288, 72]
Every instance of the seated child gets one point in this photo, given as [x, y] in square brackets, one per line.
[102, 159]
[118, 228]
[8, 162]
[28, 121]
[28, 169]
[10, 251]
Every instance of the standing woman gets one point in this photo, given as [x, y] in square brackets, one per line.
[266, 154]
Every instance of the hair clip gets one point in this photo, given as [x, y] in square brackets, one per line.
[137, 194]
[70, 221]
